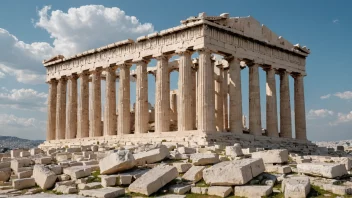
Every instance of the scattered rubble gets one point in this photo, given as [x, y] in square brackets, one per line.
[174, 171]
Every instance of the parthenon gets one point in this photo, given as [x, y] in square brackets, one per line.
[207, 105]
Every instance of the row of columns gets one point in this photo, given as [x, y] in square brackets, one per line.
[201, 103]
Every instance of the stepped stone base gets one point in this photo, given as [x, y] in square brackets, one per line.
[191, 139]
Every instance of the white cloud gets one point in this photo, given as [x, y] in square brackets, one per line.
[335, 21]
[89, 26]
[319, 113]
[25, 99]
[11, 120]
[23, 76]
[21, 60]
[342, 118]
[2, 75]
[325, 96]
[344, 95]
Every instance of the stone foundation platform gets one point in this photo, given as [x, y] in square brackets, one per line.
[191, 139]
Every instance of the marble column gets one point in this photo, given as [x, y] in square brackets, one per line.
[206, 103]
[71, 119]
[185, 83]
[83, 112]
[255, 123]
[225, 88]
[194, 98]
[300, 112]
[96, 103]
[142, 106]
[285, 106]
[51, 124]
[219, 99]
[61, 108]
[162, 98]
[173, 106]
[110, 102]
[235, 94]
[271, 103]
[124, 117]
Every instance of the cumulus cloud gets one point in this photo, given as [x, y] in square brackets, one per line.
[22, 60]
[344, 95]
[11, 120]
[342, 118]
[335, 21]
[77, 30]
[89, 26]
[25, 99]
[325, 96]
[319, 113]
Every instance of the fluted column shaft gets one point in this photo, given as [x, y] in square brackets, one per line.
[219, 100]
[83, 112]
[194, 98]
[285, 106]
[71, 119]
[51, 124]
[61, 109]
[271, 104]
[185, 83]
[142, 111]
[110, 102]
[300, 112]
[124, 118]
[96, 103]
[255, 123]
[162, 98]
[206, 103]
[225, 99]
[235, 94]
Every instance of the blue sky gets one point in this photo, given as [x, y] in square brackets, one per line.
[28, 34]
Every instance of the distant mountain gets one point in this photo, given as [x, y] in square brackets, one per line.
[11, 142]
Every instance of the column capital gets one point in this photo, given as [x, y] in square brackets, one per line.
[125, 65]
[111, 68]
[162, 56]
[268, 68]
[83, 73]
[296, 75]
[63, 78]
[74, 76]
[96, 70]
[184, 52]
[142, 61]
[205, 50]
[53, 80]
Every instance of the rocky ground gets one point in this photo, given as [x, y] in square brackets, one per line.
[166, 170]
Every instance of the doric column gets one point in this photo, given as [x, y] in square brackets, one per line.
[124, 118]
[255, 123]
[96, 103]
[51, 124]
[206, 97]
[162, 98]
[194, 98]
[110, 102]
[285, 106]
[61, 108]
[185, 83]
[300, 112]
[235, 94]
[71, 119]
[83, 112]
[219, 99]
[225, 88]
[142, 112]
[271, 104]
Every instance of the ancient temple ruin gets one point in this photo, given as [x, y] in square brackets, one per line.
[207, 106]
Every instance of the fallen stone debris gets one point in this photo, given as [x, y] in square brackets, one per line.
[103, 170]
